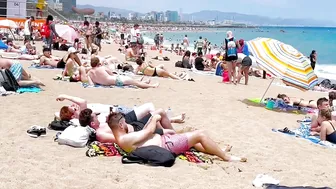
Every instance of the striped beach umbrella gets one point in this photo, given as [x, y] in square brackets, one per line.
[283, 61]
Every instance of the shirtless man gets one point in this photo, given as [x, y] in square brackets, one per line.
[176, 143]
[104, 134]
[47, 59]
[22, 77]
[322, 103]
[103, 76]
[132, 53]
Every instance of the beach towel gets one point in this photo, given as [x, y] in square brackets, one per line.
[281, 106]
[29, 90]
[37, 66]
[3, 45]
[86, 85]
[112, 149]
[304, 132]
[273, 186]
[210, 73]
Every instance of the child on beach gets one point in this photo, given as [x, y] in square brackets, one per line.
[225, 73]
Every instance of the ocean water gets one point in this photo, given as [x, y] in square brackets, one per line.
[304, 39]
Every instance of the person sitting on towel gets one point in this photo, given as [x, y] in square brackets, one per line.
[328, 129]
[101, 75]
[297, 101]
[175, 143]
[22, 77]
[322, 104]
[134, 123]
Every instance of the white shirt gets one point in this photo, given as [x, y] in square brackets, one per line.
[135, 34]
[26, 27]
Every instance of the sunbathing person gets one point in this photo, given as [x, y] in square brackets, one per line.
[78, 104]
[22, 77]
[132, 53]
[322, 104]
[175, 143]
[328, 131]
[148, 69]
[12, 47]
[297, 101]
[104, 134]
[48, 60]
[103, 76]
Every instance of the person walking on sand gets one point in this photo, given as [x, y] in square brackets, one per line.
[313, 59]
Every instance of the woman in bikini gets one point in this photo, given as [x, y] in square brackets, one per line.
[328, 131]
[150, 70]
[73, 67]
[88, 31]
[297, 101]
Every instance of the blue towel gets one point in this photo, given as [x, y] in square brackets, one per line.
[43, 67]
[85, 85]
[3, 45]
[29, 90]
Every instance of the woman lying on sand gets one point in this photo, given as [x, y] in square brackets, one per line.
[150, 70]
[298, 101]
[26, 52]
[22, 77]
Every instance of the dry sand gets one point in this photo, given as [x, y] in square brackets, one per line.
[210, 105]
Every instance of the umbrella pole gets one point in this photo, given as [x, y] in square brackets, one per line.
[262, 98]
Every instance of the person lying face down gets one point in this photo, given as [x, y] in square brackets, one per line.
[135, 119]
[297, 101]
[176, 143]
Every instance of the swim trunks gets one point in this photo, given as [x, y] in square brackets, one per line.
[176, 144]
[119, 82]
[16, 70]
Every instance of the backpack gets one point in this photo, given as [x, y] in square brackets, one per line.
[151, 155]
[8, 81]
[231, 48]
[59, 125]
[45, 30]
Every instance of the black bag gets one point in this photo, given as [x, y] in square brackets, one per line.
[8, 81]
[151, 155]
[59, 125]
[179, 64]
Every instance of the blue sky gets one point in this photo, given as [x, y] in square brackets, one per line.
[322, 10]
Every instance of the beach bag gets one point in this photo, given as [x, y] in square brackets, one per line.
[75, 136]
[226, 76]
[151, 155]
[59, 125]
[231, 47]
[8, 81]
[179, 64]
[45, 30]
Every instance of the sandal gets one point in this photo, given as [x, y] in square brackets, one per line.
[286, 131]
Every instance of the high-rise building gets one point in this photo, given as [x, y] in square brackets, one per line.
[172, 16]
[67, 5]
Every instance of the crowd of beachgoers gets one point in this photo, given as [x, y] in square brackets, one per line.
[144, 125]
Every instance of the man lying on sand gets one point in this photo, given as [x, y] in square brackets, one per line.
[22, 77]
[78, 104]
[103, 76]
[48, 60]
[297, 101]
[176, 143]
[134, 123]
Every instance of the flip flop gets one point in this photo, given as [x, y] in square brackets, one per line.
[286, 131]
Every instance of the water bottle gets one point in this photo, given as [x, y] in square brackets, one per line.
[169, 113]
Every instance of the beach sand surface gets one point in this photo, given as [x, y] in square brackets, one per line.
[210, 105]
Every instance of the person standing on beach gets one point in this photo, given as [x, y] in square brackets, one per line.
[313, 59]
[231, 56]
[98, 35]
[205, 46]
[185, 43]
[199, 45]
[48, 31]
[28, 29]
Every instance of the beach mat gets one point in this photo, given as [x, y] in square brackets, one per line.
[34, 66]
[29, 90]
[303, 132]
[85, 85]
[96, 149]
[209, 73]
[282, 106]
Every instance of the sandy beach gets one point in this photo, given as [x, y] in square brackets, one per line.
[210, 105]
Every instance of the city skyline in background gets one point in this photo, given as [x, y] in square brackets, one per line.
[269, 8]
